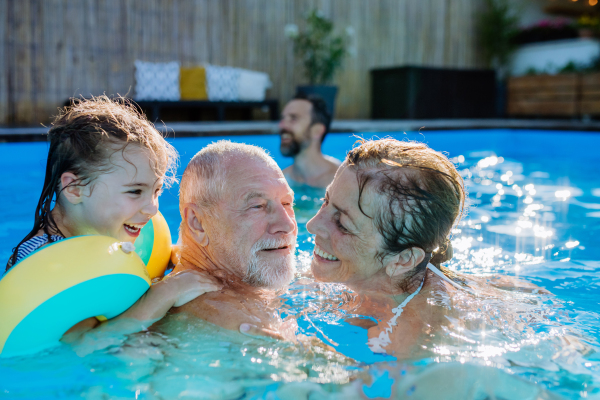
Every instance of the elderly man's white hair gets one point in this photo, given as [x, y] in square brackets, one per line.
[203, 181]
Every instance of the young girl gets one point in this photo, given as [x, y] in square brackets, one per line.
[107, 165]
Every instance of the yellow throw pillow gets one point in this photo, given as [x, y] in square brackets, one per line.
[192, 83]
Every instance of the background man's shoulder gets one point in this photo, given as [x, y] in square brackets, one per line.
[333, 160]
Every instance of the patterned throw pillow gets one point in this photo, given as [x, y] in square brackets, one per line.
[157, 81]
[222, 83]
[252, 85]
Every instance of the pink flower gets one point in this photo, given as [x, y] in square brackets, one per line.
[544, 23]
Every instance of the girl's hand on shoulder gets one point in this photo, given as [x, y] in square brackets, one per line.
[175, 254]
[183, 287]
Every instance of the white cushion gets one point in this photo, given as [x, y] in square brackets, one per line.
[253, 85]
[222, 83]
[157, 81]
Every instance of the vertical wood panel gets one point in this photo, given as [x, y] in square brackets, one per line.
[4, 14]
[54, 49]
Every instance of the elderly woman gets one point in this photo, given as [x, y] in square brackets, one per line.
[383, 230]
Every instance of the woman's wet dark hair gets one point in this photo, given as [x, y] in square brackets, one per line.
[81, 140]
[421, 195]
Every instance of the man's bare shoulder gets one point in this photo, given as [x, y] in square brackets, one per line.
[223, 308]
[228, 309]
[327, 176]
[335, 163]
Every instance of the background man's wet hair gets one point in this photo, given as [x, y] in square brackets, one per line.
[319, 114]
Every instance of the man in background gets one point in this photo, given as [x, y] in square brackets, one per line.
[304, 123]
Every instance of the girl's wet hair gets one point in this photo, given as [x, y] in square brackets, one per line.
[421, 196]
[82, 139]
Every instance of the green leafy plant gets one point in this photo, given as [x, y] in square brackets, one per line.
[498, 25]
[588, 22]
[322, 52]
[570, 68]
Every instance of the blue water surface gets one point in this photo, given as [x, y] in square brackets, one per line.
[534, 213]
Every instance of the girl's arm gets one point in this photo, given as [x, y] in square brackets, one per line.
[174, 291]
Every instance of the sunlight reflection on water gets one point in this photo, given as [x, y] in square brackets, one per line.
[527, 218]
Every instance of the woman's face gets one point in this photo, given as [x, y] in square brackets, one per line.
[346, 240]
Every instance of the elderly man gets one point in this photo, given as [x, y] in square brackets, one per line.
[304, 123]
[238, 225]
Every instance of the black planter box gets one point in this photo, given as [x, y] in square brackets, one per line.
[424, 93]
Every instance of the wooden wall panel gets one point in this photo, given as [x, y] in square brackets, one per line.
[54, 49]
[4, 107]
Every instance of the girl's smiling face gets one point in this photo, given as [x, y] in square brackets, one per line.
[117, 203]
[346, 241]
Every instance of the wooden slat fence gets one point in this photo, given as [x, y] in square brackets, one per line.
[54, 49]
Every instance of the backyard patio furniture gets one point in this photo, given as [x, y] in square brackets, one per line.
[419, 92]
[153, 108]
[194, 108]
[201, 93]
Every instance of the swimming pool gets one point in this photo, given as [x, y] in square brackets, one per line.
[535, 213]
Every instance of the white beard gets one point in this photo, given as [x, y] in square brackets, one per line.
[272, 274]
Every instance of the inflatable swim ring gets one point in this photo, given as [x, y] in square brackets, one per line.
[154, 246]
[62, 284]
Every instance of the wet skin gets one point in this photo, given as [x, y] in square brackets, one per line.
[257, 205]
[117, 203]
[346, 251]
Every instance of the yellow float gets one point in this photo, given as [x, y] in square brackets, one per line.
[62, 284]
[68, 281]
[154, 246]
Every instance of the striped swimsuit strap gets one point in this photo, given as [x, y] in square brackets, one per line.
[33, 244]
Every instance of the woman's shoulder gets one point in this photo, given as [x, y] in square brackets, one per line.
[487, 284]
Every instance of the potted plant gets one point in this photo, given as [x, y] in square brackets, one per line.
[322, 53]
[588, 26]
[497, 26]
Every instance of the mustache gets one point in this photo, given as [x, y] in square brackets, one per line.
[277, 272]
[273, 243]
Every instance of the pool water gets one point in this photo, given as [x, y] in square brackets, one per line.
[534, 214]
